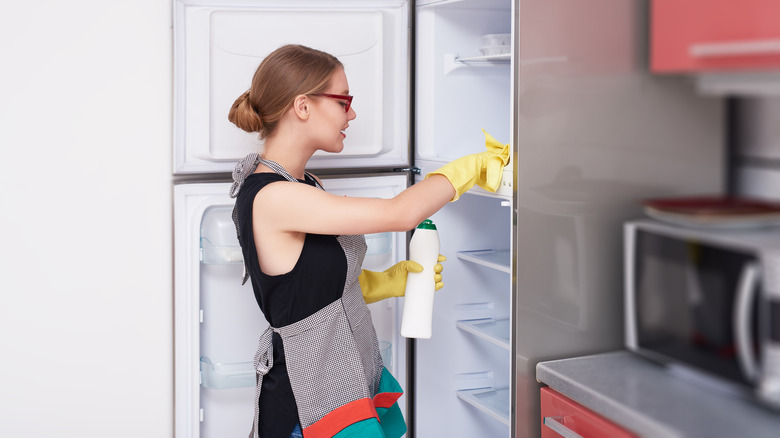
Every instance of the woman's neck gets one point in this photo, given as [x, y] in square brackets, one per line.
[288, 155]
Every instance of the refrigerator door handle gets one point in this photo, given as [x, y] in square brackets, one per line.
[743, 320]
[414, 170]
[557, 426]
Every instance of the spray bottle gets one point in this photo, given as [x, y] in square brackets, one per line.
[417, 318]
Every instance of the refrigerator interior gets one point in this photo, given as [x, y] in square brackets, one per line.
[218, 321]
[463, 373]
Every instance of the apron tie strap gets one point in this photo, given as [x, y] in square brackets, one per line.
[263, 362]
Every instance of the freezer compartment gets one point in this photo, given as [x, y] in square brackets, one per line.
[219, 44]
[460, 90]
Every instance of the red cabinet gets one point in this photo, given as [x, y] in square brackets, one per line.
[715, 35]
[562, 416]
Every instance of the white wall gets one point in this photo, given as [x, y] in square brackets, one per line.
[85, 219]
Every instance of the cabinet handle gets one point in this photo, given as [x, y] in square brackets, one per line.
[557, 426]
[735, 48]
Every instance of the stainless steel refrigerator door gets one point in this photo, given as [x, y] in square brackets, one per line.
[596, 134]
[217, 320]
[219, 44]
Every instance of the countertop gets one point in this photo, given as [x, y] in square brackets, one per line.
[647, 399]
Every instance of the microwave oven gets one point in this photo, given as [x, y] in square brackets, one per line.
[706, 302]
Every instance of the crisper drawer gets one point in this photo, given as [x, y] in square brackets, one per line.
[712, 35]
[564, 417]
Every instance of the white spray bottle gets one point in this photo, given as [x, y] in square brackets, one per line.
[417, 318]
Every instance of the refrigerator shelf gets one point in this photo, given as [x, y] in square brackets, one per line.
[226, 375]
[494, 259]
[453, 62]
[500, 58]
[492, 330]
[493, 402]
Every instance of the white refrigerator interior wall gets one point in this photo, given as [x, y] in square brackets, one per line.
[85, 205]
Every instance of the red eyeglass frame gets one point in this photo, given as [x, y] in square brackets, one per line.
[346, 97]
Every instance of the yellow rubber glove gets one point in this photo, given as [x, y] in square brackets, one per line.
[377, 286]
[483, 169]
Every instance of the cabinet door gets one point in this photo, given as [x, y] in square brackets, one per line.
[562, 416]
[712, 35]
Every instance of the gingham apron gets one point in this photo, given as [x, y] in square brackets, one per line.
[332, 356]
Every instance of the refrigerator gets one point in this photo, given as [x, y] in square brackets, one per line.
[533, 271]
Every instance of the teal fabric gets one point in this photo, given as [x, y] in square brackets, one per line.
[368, 428]
[387, 383]
[392, 421]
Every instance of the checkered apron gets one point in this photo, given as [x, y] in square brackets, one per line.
[332, 356]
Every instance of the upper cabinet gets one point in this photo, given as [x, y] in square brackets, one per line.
[715, 35]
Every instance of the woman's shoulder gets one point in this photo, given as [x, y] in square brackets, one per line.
[256, 181]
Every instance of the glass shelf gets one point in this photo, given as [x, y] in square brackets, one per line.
[494, 259]
[226, 375]
[493, 402]
[454, 62]
[502, 58]
[492, 330]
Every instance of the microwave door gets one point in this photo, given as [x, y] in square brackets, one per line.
[743, 320]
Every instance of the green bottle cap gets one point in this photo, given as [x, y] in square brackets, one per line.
[427, 224]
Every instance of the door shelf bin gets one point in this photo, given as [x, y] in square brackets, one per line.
[494, 259]
[226, 375]
[493, 402]
[492, 330]
[219, 254]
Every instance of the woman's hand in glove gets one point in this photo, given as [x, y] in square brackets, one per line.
[484, 169]
[377, 286]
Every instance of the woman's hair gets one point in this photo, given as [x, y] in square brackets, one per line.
[287, 72]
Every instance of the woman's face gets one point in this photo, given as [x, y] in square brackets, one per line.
[329, 115]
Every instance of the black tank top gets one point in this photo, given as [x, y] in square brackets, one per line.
[316, 280]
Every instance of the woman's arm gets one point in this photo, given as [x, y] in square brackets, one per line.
[294, 207]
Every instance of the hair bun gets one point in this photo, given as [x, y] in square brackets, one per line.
[243, 114]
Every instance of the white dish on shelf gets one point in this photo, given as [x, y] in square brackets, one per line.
[496, 39]
[494, 50]
[714, 211]
[726, 222]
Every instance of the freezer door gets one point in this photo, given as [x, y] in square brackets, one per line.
[219, 44]
[217, 320]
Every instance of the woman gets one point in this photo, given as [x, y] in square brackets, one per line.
[318, 365]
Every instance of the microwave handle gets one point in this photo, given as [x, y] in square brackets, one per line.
[743, 307]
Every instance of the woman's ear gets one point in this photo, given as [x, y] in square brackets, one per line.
[301, 106]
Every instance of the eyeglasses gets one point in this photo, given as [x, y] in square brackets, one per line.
[346, 97]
